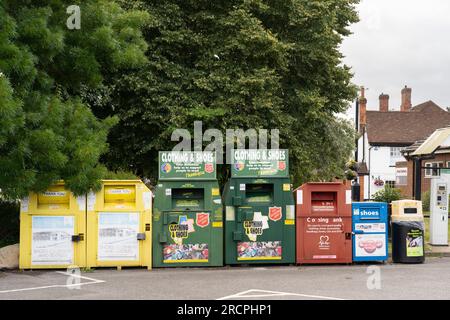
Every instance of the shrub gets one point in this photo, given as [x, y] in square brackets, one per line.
[426, 201]
[387, 194]
[9, 222]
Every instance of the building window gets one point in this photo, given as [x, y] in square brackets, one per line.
[401, 176]
[389, 184]
[433, 172]
[396, 155]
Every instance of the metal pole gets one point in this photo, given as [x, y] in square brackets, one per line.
[418, 178]
[356, 127]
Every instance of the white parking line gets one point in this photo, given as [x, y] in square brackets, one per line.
[268, 293]
[92, 281]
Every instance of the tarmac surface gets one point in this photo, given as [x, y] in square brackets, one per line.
[430, 280]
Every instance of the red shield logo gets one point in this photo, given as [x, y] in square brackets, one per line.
[281, 165]
[275, 213]
[209, 167]
[202, 219]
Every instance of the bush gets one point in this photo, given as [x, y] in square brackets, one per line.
[9, 222]
[120, 175]
[426, 201]
[387, 194]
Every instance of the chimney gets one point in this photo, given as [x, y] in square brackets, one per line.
[384, 102]
[362, 110]
[406, 99]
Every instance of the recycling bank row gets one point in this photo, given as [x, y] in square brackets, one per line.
[258, 218]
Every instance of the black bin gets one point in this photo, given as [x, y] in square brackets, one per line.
[408, 242]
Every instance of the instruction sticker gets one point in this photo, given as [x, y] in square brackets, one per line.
[24, 203]
[168, 192]
[91, 201]
[299, 196]
[286, 187]
[348, 196]
[117, 236]
[147, 199]
[81, 201]
[51, 242]
[242, 187]
[215, 192]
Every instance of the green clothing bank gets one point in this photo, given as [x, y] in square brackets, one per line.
[259, 208]
[188, 214]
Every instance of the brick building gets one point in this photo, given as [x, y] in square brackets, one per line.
[386, 133]
[436, 153]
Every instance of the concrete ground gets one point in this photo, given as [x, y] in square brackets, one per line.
[430, 280]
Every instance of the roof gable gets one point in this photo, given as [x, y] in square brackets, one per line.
[404, 128]
[428, 106]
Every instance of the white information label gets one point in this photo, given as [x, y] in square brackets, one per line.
[348, 196]
[117, 236]
[147, 199]
[168, 192]
[24, 203]
[81, 201]
[91, 201]
[52, 240]
[242, 187]
[299, 196]
[370, 227]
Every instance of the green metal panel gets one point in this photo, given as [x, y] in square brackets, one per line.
[259, 220]
[187, 222]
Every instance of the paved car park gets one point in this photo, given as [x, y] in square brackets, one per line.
[430, 280]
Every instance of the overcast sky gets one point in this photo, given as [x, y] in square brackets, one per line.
[398, 43]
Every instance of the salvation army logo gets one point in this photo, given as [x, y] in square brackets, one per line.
[166, 167]
[275, 213]
[239, 166]
[202, 219]
[282, 165]
[209, 167]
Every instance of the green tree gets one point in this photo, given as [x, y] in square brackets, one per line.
[46, 132]
[237, 64]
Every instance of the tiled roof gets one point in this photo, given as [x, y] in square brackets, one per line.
[404, 128]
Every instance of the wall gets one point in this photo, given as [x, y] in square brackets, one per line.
[407, 191]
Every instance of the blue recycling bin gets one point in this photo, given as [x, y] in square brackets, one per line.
[370, 231]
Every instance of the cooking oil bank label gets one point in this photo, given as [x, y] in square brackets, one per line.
[260, 163]
[187, 165]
